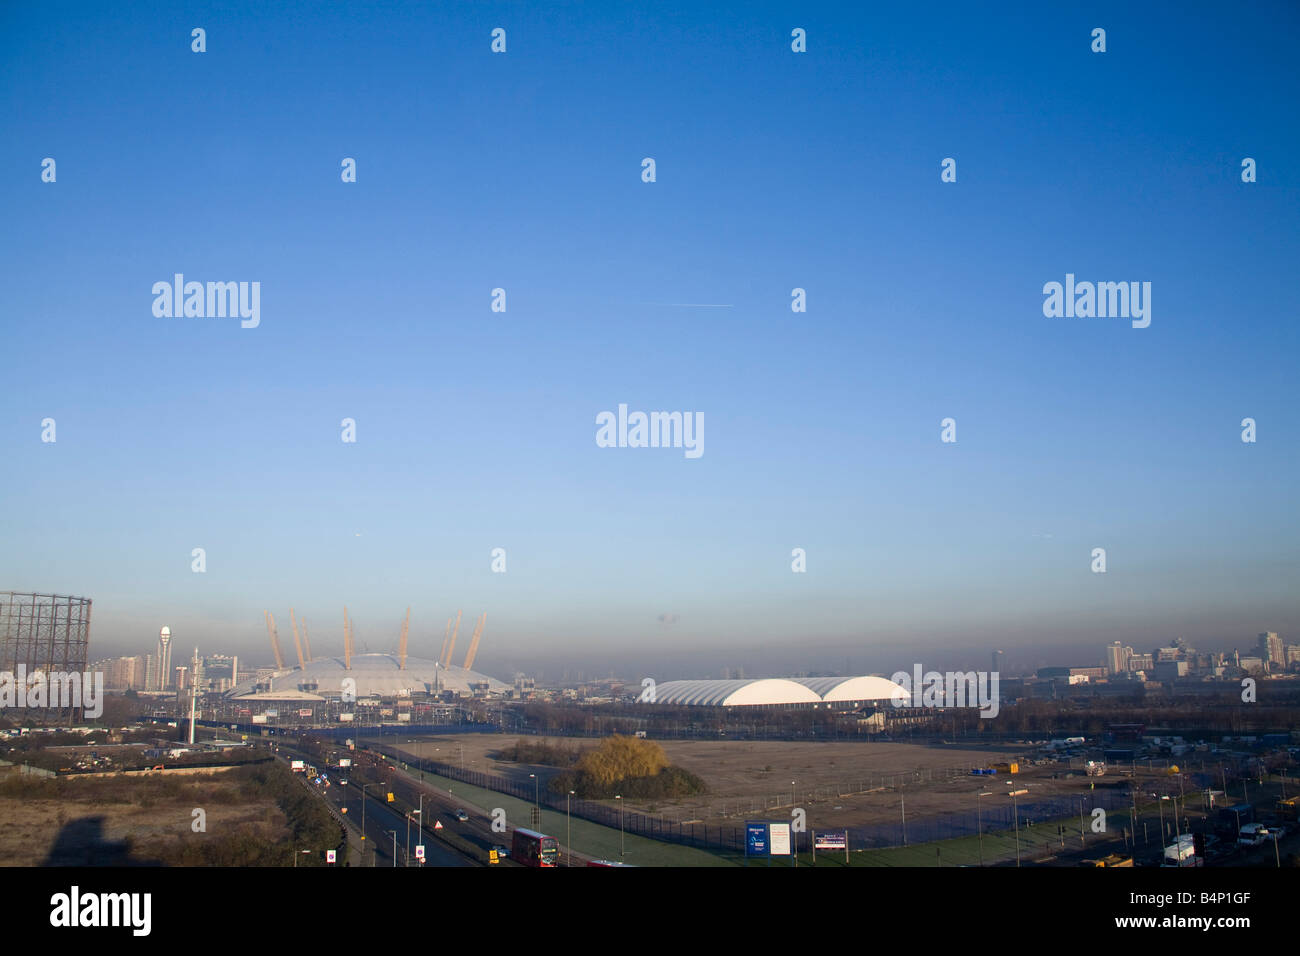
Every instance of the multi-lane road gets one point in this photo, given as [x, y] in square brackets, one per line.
[381, 819]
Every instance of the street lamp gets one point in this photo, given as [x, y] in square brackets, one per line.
[619, 798]
[902, 798]
[979, 810]
[1174, 801]
[394, 833]
[1015, 812]
[295, 858]
[568, 820]
[363, 823]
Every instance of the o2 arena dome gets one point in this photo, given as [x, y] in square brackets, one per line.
[375, 675]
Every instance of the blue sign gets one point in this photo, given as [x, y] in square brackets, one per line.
[757, 842]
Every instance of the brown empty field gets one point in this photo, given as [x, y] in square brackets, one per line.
[122, 821]
[842, 783]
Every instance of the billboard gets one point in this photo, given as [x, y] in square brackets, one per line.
[779, 837]
[346, 718]
[763, 838]
[834, 840]
[306, 712]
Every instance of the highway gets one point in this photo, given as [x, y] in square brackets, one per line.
[381, 819]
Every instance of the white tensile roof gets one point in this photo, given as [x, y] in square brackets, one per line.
[853, 688]
[376, 675]
[772, 691]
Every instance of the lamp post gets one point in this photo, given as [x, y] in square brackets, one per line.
[295, 858]
[1015, 813]
[394, 833]
[619, 798]
[979, 810]
[363, 823]
[568, 822]
[902, 797]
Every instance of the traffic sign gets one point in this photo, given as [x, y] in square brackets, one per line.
[419, 852]
[438, 825]
[330, 855]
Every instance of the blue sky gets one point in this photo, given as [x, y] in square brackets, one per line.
[775, 170]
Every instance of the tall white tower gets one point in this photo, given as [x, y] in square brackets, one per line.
[165, 659]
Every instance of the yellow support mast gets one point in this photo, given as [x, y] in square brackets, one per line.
[451, 648]
[401, 649]
[473, 644]
[275, 640]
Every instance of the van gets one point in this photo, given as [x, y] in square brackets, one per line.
[1254, 834]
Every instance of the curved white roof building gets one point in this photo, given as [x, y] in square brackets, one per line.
[845, 689]
[775, 691]
[376, 675]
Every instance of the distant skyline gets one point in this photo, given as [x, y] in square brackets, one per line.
[477, 429]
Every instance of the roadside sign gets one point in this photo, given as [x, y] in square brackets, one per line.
[779, 835]
[437, 825]
[330, 855]
[419, 852]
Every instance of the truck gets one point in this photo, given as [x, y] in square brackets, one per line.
[297, 766]
[1181, 853]
[1254, 834]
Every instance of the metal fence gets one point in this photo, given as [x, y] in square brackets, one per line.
[1001, 814]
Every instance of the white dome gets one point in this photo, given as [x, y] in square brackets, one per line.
[376, 675]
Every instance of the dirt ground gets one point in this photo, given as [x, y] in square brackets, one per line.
[848, 784]
[86, 830]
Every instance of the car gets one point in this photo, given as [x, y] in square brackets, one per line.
[502, 851]
[461, 815]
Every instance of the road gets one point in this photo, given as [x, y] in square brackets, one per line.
[381, 819]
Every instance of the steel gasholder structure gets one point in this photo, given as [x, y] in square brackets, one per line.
[44, 632]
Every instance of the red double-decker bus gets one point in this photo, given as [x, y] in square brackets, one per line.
[531, 848]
